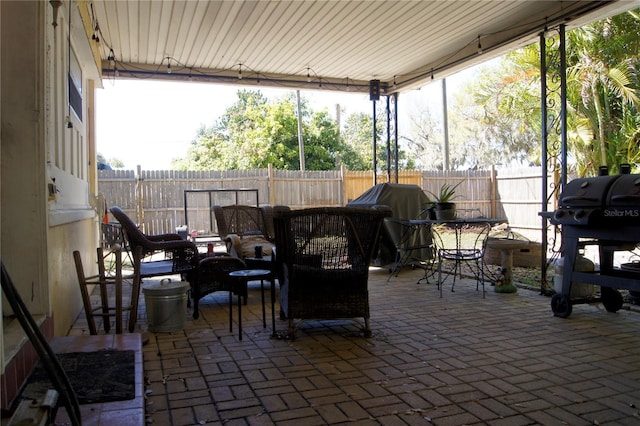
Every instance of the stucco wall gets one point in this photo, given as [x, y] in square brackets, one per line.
[66, 301]
[24, 205]
[39, 232]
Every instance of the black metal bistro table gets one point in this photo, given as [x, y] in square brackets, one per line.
[413, 242]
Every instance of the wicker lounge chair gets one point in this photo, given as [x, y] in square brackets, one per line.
[244, 227]
[322, 260]
[180, 256]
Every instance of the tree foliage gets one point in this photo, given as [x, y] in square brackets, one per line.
[113, 163]
[499, 124]
[603, 89]
[255, 132]
[357, 135]
[425, 140]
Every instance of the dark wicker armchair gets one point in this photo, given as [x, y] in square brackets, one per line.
[244, 227]
[180, 256]
[214, 276]
[322, 260]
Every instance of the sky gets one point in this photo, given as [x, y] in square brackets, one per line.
[150, 123]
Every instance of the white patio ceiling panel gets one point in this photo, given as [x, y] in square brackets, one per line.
[338, 43]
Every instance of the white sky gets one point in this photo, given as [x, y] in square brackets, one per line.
[149, 123]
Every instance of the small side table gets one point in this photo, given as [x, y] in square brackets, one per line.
[242, 277]
[506, 247]
[265, 262]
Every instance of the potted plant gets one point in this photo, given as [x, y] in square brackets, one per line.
[442, 204]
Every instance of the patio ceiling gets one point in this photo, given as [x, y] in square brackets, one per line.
[334, 45]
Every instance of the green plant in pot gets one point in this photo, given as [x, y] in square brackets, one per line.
[443, 205]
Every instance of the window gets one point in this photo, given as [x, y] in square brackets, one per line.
[75, 85]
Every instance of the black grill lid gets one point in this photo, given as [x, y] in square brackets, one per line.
[625, 192]
[589, 192]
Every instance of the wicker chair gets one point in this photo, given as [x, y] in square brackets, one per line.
[214, 276]
[322, 260]
[244, 227]
[180, 256]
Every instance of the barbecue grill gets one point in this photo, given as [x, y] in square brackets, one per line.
[602, 211]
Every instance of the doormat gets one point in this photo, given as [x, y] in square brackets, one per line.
[96, 377]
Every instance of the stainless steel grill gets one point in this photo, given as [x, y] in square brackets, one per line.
[602, 211]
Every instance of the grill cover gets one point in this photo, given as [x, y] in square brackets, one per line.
[406, 202]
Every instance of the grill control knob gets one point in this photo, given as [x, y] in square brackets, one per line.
[579, 214]
[558, 215]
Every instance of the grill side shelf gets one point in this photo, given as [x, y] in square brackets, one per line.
[625, 280]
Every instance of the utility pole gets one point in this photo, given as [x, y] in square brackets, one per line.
[445, 125]
[300, 136]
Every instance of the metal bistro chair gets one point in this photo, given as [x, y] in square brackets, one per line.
[461, 242]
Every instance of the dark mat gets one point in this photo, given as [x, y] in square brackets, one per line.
[100, 376]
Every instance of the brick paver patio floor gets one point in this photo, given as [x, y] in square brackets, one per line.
[456, 360]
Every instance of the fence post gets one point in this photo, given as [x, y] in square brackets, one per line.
[139, 208]
[270, 187]
[494, 191]
[343, 191]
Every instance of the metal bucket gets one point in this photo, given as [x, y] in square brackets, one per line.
[166, 304]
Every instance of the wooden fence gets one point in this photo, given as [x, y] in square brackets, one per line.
[157, 198]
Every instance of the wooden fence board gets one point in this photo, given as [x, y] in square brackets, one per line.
[513, 194]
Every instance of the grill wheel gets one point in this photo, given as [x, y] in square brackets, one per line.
[610, 297]
[561, 305]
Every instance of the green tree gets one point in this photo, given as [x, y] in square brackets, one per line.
[493, 120]
[603, 92]
[501, 122]
[255, 132]
[114, 163]
[357, 136]
[425, 140]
